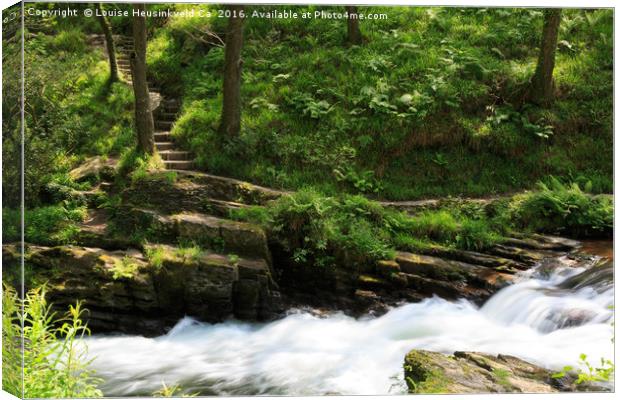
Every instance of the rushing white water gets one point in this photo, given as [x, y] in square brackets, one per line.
[535, 319]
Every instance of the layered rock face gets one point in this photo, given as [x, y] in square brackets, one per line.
[439, 271]
[124, 292]
[193, 263]
[131, 286]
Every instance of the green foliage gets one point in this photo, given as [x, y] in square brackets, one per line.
[171, 391]
[54, 358]
[352, 230]
[587, 372]
[44, 225]
[452, 78]
[72, 41]
[125, 268]
[189, 252]
[139, 166]
[326, 231]
[70, 110]
[565, 209]
[156, 256]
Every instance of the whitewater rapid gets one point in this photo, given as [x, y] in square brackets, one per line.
[536, 319]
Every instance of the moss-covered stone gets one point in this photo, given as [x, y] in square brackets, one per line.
[128, 291]
[471, 372]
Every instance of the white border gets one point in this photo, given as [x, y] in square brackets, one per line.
[475, 3]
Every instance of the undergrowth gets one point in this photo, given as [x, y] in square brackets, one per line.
[54, 359]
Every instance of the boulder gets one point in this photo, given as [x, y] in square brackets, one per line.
[472, 372]
[218, 234]
[94, 169]
[195, 191]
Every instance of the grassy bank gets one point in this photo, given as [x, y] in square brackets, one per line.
[432, 104]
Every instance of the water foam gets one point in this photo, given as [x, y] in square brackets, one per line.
[303, 354]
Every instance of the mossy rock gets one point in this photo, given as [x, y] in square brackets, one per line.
[471, 372]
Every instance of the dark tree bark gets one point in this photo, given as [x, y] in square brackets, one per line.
[144, 116]
[354, 35]
[109, 42]
[231, 108]
[542, 81]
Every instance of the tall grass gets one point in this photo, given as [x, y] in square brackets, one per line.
[55, 362]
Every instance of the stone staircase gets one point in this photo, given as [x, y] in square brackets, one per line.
[165, 112]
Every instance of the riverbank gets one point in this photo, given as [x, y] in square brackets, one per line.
[307, 354]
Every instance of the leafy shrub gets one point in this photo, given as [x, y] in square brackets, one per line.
[69, 41]
[440, 226]
[327, 231]
[587, 372]
[139, 165]
[354, 231]
[476, 235]
[563, 209]
[156, 256]
[125, 267]
[45, 225]
[54, 358]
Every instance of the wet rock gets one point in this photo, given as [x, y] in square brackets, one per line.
[600, 277]
[542, 242]
[498, 263]
[471, 280]
[519, 254]
[125, 292]
[472, 372]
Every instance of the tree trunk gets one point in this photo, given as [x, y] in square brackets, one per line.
[542, 81]
[231, 108]
[109, 42]
[354, 35]
[144, 116]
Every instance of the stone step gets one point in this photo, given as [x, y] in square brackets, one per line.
[218, 234]
[161, 146]
[167, 125]
[179, 164]
[162, 136]
[166, 115]
[192, 189]
[172, 102]
[169, 110]
[175, 155]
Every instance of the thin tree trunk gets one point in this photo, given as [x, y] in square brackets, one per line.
[542, 81]
[144, 116]
[109, 42]
[231, 108]
[354, 35]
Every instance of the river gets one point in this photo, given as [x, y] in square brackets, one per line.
[553, 314]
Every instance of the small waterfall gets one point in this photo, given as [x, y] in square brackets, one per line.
[569, 297]
[550, 317]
